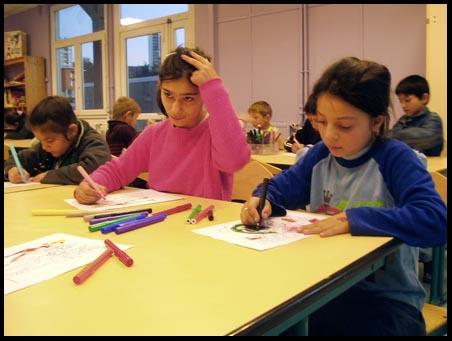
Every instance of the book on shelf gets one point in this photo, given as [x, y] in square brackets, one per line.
[15, 44]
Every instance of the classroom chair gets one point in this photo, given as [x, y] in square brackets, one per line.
[273, 169]
[247, 179]
[434, 311]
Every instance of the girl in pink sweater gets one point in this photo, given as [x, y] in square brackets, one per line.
[196, 150]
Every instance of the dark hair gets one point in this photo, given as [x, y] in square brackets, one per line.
[53, 113]
[173, 67]
[413, 85]
[310, 107]
[361, 83]
[11, 118]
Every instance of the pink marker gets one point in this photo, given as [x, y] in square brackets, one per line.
[123, 257]
[90, 181]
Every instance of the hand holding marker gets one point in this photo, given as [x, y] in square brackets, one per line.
[90, 181]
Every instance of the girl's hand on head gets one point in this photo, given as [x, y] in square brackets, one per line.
[85, 194]
[205, 71]
[250, 215]
[15, 177]
[331, 226]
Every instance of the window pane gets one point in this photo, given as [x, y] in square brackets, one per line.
[143, 62]
[92, 75]
[78, 20]
[179, 37]
[65, 73]
[131, 14]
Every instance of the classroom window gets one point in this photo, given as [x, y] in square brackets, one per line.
[79, 50]
[146, 34]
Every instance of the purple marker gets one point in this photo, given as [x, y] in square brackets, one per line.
[101, 220]
[114, 226]
[140, 223]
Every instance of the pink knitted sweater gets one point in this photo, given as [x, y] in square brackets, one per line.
[199, 161]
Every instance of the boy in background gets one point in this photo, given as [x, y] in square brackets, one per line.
[121, 129]
[259, 117]
[308, 135]
[15, 128]
[65, 142]
[419, 128]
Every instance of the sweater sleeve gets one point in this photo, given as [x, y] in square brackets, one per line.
[92, 152]
[230, 150]
[418, 217]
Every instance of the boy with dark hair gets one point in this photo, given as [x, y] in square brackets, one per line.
[15, 128]
[64, 143]
[419, 128]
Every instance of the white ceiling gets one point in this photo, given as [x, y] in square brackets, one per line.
[11, 9]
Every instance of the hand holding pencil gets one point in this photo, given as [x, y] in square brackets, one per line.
[88, 191]
[256, 209]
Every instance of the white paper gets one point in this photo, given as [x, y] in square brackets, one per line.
[120, 200]
[44, 258]
[279, 231]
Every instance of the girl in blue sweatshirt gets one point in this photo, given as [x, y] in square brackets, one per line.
[371, 186]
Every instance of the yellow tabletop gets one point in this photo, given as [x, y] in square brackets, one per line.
[26, 143]
[27, 187]
[283, 159]
[436, 163]
[181, 283]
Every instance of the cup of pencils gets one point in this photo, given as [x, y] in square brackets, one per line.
[262, 142]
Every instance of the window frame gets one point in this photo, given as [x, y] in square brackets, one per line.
[167, 26]
[77, 42]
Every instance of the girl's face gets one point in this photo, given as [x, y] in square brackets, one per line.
[182, 103]
[345, 129]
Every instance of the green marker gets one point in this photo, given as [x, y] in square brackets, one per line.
[98, 226]
[196, 210]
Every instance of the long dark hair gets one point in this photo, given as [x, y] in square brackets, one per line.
[173, 67]
[364, 84]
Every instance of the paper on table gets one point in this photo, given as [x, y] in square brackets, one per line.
[44, 258]
[131, 198]
[12, 185]
[280, 231]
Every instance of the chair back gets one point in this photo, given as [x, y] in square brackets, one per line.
[247, 179]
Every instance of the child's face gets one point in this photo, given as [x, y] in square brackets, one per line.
[345, 129]
[53, 143]
[411, 104]
[131, 118]
[182, 103]
[259, 120]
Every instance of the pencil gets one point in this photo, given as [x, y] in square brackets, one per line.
[90, 181]
[262, 199]
[17, 161]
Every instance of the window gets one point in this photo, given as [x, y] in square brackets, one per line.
[141, 34]
[78, 46]
[146, 33]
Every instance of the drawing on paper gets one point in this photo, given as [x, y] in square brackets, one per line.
[278, 231]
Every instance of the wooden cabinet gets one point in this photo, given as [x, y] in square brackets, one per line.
[24, 82]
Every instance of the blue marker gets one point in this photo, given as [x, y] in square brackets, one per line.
[16, 160]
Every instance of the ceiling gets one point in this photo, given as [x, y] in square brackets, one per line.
[11, 9]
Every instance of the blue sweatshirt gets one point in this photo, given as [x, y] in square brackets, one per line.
[386, 192]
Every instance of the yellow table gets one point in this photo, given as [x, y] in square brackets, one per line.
[28, 187]
[18, 144]
[282, 160]
[436, 163]
[181, 283]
